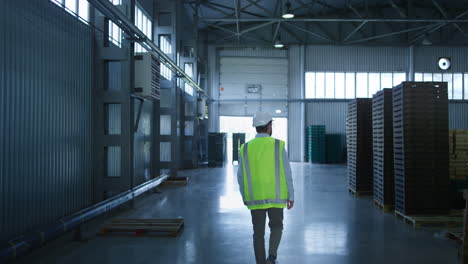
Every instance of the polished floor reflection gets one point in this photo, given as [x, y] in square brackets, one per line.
[327, 225]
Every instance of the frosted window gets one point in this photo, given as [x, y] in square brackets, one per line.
[350, 85]
[165, 125]
[427, 77]
[339, 85]
[115, 34]
[398, 77]
[374, 83]
[457, 86]
[57, 2]
[165, 44]
[310, 85]
[166, 72]
[189, 71]
[418, 77]
[386, 80]
[165, 151]
[83, 9]
[447, 77]
[320, 85]
[113, 159]
[70, 6]
[361, 84]
[437, 77]
[465, 95]
[330, 85]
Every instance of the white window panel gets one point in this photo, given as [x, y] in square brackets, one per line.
[339, 85]
[465, 96]
[166, 72]
[457, 86]
[361, 85]
[330, 85]
[418, 77]
[447, 77]
[398, 77]
[58, 2]
[320, 85]
[83, 9]
[437, 77]
[115, 33]
[374, 83]
[427, 77]
[386, 80]
[310, 85]
[350, 85]
[70, 6]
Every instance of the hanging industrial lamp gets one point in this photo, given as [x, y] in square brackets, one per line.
[287, 14]
[279, 44]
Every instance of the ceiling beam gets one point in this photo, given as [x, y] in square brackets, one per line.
[441, 10]
[399, 11]
[236, 10]
[369, 20]
[389, 34]
[309, 32]
[354, 31]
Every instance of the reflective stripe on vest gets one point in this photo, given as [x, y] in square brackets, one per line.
[278, 199]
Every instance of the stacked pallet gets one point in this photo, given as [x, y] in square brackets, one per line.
[382, 129]
[316, 147]
[420, 129]
[359, 145]
[458, 148]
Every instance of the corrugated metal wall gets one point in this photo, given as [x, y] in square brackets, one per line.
[356, 59]
[296, 115]
[46, 59]
[426, 58]
[458, 115]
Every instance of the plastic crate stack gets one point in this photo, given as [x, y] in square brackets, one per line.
[334, 148]
[382, 130]
[316, 144]
[216, 149]
[359, 144]
[420, 129]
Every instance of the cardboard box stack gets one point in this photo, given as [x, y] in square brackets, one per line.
[458, 147]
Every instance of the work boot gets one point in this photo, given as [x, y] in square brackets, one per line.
[271, 260]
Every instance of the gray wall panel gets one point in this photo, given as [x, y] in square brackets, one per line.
[46, 59]
[332, 115]
[458, 115]
[253, 52]
[356, 58]
[426, 58]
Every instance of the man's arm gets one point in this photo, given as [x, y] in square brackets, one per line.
[288, 174]
[240, 178]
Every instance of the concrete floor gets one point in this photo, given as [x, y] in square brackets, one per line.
[327, 225]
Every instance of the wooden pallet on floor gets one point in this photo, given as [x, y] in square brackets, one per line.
[139, 227]
[179, 181]
[360, 193]
[385, 208]
[455, 234]
[454, 219]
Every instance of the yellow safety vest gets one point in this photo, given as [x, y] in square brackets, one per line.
[263, 169]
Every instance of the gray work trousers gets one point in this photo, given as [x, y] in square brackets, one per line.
[275, 215]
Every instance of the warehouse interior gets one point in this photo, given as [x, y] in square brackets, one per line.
[131, 113]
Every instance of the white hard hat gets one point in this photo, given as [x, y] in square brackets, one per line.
[261, 119]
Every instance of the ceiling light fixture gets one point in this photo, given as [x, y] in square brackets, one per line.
[278, 44]
[287, 14]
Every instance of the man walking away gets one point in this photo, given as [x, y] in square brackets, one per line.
[266, 185]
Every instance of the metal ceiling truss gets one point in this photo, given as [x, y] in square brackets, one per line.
[318, 19]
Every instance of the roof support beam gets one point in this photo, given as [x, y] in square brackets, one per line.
[400, 12]
[354, 31]
[390, 34]
[441, 10]
[236, 9]
[309, 32]
[325, 20]
[426, 33]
